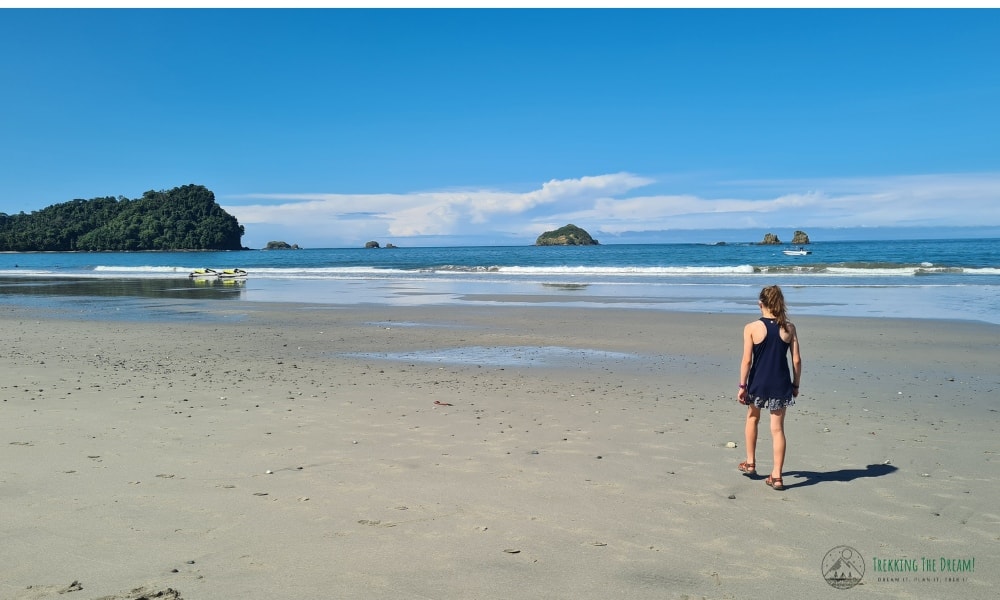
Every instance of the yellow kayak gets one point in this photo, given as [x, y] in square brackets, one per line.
[204, 273]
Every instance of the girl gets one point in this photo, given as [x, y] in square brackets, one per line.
[765, 381]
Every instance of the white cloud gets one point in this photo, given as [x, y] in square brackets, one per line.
[604, 204]
[353, 217]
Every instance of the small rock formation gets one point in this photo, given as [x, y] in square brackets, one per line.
[800, 238]
[281, 246]
[372, 244]
[567, 235]
[770, 238]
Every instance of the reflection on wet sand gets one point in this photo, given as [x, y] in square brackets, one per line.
[213, 289]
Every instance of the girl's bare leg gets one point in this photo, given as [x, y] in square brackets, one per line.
[778, 438]
[753, 419]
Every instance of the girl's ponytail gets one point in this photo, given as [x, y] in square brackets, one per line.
[774, 301]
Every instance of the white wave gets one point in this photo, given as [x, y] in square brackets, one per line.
[877, 272]
[982, 271]
[155, 270]
[630, 271]
[515, 273]
[25, 273]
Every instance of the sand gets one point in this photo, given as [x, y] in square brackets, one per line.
[286, 451]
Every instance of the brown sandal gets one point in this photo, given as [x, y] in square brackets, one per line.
[748, 468]
[774, 483]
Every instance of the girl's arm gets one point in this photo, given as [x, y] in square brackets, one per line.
[741, 395]
[796, 362]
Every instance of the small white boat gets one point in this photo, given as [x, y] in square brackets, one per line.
[796, 252]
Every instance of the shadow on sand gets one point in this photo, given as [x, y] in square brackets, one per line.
[814, 477]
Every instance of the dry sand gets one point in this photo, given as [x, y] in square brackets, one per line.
[463, 452]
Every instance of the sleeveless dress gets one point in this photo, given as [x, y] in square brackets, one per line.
[769, 385]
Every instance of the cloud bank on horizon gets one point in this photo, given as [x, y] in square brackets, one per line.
[613, 205]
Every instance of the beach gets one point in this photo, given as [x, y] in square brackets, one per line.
[281, 450]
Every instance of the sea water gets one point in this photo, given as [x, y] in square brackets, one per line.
[937, 279]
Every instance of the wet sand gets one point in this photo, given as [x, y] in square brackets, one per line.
[294, 451]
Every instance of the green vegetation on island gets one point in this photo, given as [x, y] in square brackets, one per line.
[567, 235]
[184, 218]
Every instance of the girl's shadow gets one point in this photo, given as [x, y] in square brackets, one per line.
[814, 477]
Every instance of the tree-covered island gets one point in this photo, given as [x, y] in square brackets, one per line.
[184, 218]
[567, 235]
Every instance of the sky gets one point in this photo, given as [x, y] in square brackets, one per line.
[333, 127]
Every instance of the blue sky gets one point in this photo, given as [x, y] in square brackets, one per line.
[332, 127]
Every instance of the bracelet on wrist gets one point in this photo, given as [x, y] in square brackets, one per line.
[743, 386]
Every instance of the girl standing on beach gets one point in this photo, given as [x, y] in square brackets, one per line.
[765, 381]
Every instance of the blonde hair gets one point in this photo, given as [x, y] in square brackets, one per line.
[774, 301]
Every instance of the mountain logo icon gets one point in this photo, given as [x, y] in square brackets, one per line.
[843, 567]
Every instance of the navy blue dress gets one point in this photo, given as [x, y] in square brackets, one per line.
[769, 384]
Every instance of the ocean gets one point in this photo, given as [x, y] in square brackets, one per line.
[924, 279]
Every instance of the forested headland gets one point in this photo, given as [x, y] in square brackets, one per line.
[184, 218]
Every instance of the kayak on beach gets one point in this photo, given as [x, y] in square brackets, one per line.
[222, 274]
[232, 273]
